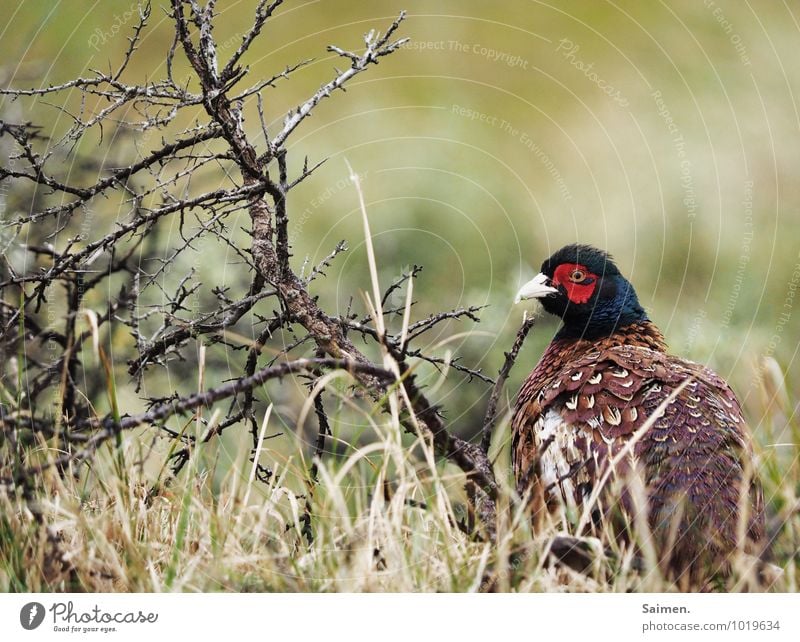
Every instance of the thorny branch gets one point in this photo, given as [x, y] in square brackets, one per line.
[52, 284]
[510, 357]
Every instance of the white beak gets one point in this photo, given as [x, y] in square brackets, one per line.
[537, 288]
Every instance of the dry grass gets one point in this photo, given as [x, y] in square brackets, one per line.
[384, 517]
[380, 513]
[384, 512]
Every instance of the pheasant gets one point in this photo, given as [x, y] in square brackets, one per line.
[607, 403]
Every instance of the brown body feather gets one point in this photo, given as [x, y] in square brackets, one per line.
[586, 399]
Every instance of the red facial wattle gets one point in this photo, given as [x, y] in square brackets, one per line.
[577, 292]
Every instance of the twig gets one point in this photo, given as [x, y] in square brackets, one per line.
[490, 419]
[159, 189]
[377, 46]
[109, 428]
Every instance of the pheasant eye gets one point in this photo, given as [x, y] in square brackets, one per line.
[577, 276]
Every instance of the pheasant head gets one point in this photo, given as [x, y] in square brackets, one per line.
[582, 285]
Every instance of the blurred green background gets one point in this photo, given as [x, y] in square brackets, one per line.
[666, 133]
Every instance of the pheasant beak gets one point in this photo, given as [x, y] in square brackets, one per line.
[537, 288]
